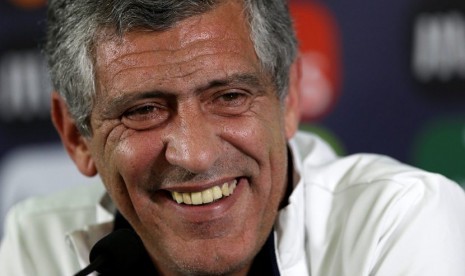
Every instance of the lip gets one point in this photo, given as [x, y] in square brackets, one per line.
[201, 213]
[200, 187]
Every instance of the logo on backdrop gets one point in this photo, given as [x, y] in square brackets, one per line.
[440, 147]
[438, 46]
[24, 81]
[24, 86]
[319, 43]
[29, 4]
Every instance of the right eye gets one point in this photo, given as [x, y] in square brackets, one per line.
[145, 116]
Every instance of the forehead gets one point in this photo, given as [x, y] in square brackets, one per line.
[222, 30]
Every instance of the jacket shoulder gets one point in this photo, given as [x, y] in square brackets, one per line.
[34, 239]
[76, 198]
[387, 213]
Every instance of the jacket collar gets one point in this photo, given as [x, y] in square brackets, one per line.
[82, 240]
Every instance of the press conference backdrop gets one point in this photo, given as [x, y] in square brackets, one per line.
[379, 76]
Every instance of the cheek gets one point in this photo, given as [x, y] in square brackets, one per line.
[134, 157]
[262, 137]
[125, 160]
[263, 140]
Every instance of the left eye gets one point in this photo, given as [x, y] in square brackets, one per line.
[232, 98]
[231, 102]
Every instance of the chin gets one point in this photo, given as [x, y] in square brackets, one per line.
[216, 265]
[211, 259]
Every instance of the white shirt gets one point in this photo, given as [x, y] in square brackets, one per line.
[359, 215]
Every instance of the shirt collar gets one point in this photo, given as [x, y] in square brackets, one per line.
[82, 240]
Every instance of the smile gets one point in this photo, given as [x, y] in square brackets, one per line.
[206, 196]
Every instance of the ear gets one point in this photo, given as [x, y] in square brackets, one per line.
[75, 144]
[291, 102]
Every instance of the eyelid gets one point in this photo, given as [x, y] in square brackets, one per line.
[231, 91]
[236, 106]
[139, 119]
[138, 107]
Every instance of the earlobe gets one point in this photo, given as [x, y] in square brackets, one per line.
[291, 102]
[75, 144]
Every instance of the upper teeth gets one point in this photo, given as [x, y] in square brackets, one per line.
[205, 196]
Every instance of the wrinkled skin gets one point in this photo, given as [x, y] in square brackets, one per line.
[184, 110]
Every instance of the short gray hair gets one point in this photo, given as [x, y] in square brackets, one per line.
[74, 27]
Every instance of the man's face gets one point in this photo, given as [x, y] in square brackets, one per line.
[183, 118]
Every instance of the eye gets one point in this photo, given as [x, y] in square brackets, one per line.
[145, 116]
[232, 98]
[231, 102]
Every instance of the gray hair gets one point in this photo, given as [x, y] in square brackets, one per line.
[74, 27]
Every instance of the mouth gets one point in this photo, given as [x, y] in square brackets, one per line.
[206, 196]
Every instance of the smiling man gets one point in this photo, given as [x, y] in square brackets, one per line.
[188, 112]
[189, 137]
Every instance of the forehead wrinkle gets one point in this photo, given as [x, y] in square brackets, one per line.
[203, 44]
[178, 55]
[177, 69]
[164, 58]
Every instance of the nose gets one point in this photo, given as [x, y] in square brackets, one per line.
[191, 142]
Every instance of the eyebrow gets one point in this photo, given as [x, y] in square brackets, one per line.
[235, 79]
[116, 102]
